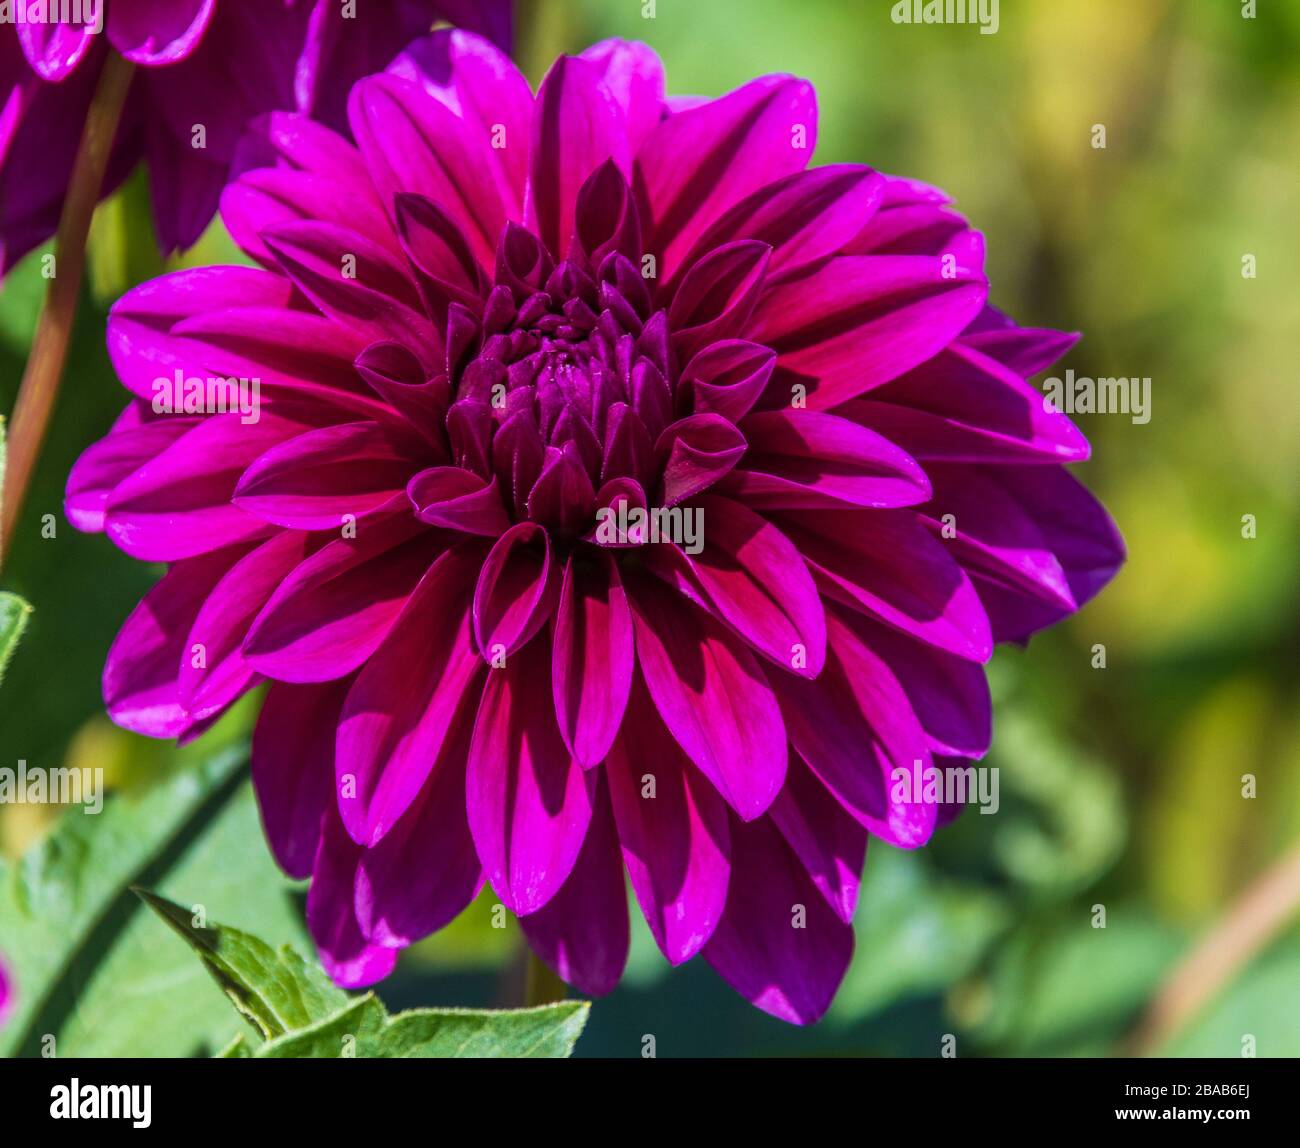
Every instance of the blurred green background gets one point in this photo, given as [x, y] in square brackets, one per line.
[1121, 787]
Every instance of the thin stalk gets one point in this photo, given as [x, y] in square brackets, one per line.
[1263, 910]
[49, 352]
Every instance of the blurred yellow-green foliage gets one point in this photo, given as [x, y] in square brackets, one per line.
[1122, 786]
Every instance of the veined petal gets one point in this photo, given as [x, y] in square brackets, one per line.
[333, 611]
[808, 459]
[673, 828]
[855, 322]
[789, 972]
[591, 670]
[582, 932]
[398, 722]
[712, 695]
[293, 768]
[529, 802]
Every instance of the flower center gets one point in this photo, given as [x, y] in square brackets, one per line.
[565, 387]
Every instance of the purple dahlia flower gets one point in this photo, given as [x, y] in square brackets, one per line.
[491, 322]
[215, 63]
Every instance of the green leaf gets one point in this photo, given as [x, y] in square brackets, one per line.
[292, 1004]
[92, 968]
[1063, 821]
[14, 613]
[916, 932]
[1059, 986]
[364, 1029]
[275, 989]
[237, 1049]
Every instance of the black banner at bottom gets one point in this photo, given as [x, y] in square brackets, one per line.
[364, 1096]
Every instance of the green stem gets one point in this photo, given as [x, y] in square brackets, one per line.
[541, 986]
[49, 352]
[1266, 907]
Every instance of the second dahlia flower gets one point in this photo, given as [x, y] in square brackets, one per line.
[201, 64]
[488, 322]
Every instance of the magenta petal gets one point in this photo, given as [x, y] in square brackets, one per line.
[399, 378]
[448, 271]
[458, 499]
[310, 173]
[529, 801]
[712, 695]
[178, 504]
[322, 479]
[993, 535]
[634, 76]
[54, 48]
[582, 932]
[293, 768]
[477, 81]
[113, 459]
[751, 576]
[698, 451]
[605, 217]
[717, 296]
[576, 127]
[885, 563]
[963, 406]
[727, 378]
[1078, 532]
[300, 356]
[829, 843]
[153, 34]
[591, 671]
[140, 673]
[349, 958]
[425, 871]
[185, 185]
[807, 459]
[1026, 350]
[401, 714]
[790, 972]
[697, 164]
[7, 994]
[804, 217]
[855, 728]
[413, 142]
[516, 591]
[336, 607]
[213, 671]
[858, 321]
[140, 340]
[674, 831]
[353, 280]
[949, 695]
[563, 494]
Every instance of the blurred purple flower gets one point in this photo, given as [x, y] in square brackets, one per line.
[6, 993]
[209, 63]
[491, 319]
